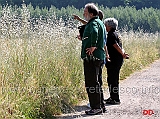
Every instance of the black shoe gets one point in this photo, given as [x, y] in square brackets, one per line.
[93, 111]
[113, 102]
[108, 100]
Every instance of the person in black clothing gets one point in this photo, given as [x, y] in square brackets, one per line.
[116, 54]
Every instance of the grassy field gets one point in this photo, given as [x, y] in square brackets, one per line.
[41, 73]
[143, 48]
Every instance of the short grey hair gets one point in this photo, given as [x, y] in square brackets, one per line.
[112, 22]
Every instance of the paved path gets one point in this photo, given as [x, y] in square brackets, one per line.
[139, 92]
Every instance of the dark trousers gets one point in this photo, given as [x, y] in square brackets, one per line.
[93, 88]
[101, 83]
[113, 72]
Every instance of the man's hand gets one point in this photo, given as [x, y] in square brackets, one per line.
[107, 58]
[79, 37]
[90, 50]
[126, 56]
[76, 17]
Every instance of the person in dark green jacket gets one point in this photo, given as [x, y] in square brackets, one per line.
[93, 54]
[93, 40]
[100, 15]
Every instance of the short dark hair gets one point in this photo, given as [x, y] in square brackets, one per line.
[92, 8]
[100, 14]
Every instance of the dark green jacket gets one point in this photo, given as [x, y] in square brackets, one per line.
[93, 36]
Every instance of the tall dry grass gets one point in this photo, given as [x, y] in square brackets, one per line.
[143, 49]
[41, 73]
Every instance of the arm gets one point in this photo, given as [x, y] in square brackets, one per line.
[80, 19]
[121, 51]
[107, 55]
[105, 47]
[83, 22]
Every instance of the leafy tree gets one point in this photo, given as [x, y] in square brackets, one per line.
[80, 3]
[131, 18]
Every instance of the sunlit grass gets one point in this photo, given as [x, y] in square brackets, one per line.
[41, 73]
[40, 77]
[142, 48]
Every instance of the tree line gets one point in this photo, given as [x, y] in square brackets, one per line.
[80, 3]
[146, 19]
